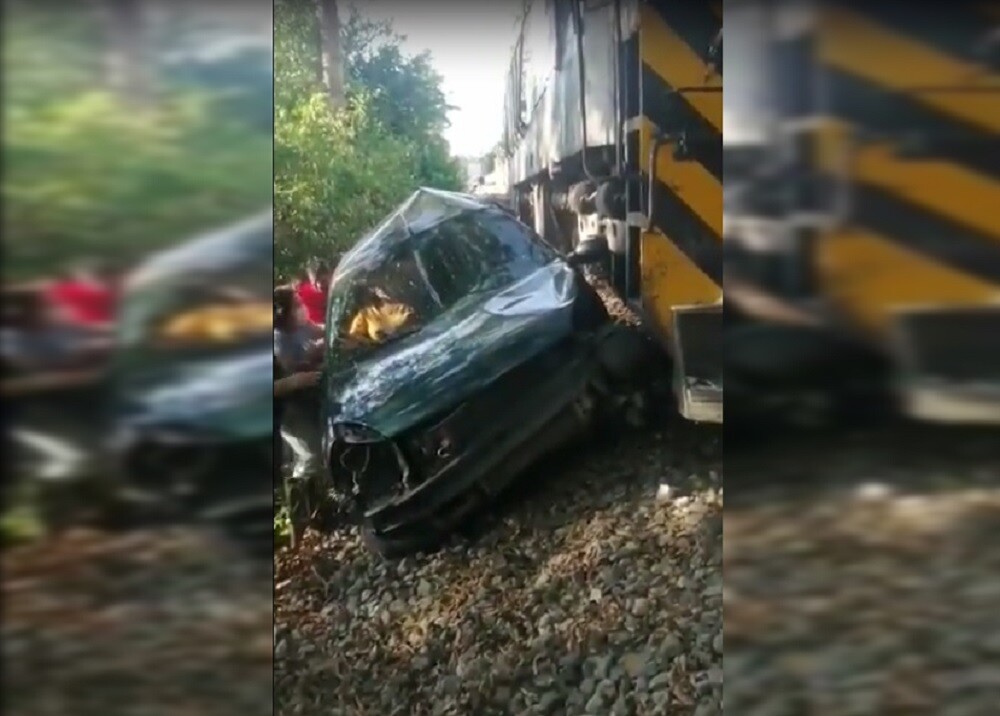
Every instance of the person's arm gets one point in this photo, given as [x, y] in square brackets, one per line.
[296, 382]
[285, 354]
[313, 351]
[317, 330]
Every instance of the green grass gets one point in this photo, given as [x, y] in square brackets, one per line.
[20, 523]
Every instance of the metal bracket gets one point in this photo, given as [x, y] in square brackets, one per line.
[633, 124]
[637, 219]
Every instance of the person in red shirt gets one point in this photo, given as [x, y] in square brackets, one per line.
[311, 289]
[83, 299]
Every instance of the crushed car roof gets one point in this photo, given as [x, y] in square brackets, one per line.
[250, 240]
[422, 210]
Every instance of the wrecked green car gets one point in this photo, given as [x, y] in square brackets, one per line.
[460, 348]
[193, 382]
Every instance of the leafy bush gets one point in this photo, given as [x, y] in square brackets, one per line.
[337, 173]
[87, 175]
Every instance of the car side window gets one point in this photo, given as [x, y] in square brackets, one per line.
[522, 243]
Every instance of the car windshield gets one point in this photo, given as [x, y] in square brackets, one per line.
[211, 294]
[438, 253]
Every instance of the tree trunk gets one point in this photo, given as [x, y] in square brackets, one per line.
[320, 64]
[128, 63]
[330, 51]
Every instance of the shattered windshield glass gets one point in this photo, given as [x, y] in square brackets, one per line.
[439, 252]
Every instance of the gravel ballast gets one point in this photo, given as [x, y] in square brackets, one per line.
[164, 622]
[591, 596]
[862, 575]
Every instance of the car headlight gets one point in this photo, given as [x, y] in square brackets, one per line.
[217, 324]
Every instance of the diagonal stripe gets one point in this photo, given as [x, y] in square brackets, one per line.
[670, 280]
[685, 230]
[926, 232]
[869, 274]
[693, 185]
[956, 29]
[945, 189]
[667, 55]
[964, 197]
[852, 43]
[693, 21]
[672, 113]
[897, 115]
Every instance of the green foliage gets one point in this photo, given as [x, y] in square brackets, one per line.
[86, 175]
[20, 523]
[337, 173]
[48, 54]
[241, 85]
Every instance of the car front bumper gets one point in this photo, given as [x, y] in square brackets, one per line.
[192, 475]
[550, 415]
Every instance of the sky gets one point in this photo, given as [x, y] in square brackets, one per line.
[470, 45]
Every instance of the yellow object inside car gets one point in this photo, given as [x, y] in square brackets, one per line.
[377, 323]
[219, 323]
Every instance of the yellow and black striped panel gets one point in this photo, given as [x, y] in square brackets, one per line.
[913, 135]
[681, 250]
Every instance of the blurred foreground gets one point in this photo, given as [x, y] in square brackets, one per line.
[862, 285]
[115, 149]
[154, 622]
[859, 573]
[129, 129]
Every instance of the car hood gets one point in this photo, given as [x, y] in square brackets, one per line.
[214, 398]
[462, 352]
